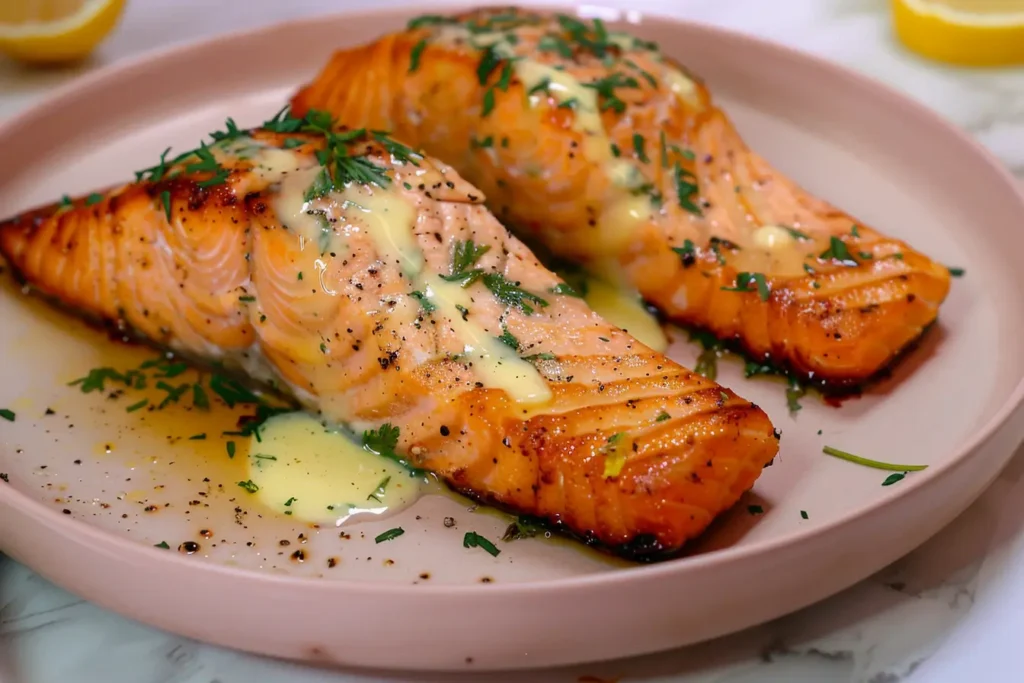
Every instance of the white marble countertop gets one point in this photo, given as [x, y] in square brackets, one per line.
[949, 611]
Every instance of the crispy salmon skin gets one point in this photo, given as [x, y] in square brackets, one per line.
[370, 283]
[597, 146]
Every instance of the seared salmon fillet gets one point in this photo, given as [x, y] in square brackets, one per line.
[606, 152]
[371, 283]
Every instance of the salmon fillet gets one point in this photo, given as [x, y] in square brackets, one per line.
[371, 284]
[596, 146]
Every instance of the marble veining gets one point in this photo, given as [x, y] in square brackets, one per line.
[886, 629]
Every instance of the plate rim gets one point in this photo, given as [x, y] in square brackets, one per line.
[961, 455]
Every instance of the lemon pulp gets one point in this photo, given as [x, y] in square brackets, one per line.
[963, 32]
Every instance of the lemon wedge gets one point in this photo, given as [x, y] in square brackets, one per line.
[963, 32]
[54, 31]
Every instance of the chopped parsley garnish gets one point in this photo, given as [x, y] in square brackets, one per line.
[249, 486]
[893, 478]
[288, 503]
[488, 102]
[565, 289]
[638, 147]
[508, 339]
[464, 254]
[65, 201]
[955, 272]
[200, 399]
[475, 540]
[247, 298]
[662, 417]
[877, 464]
[383, 442]
[428, 20]
[174, 394]
[555, 44]
[93, 198]
[837, 251]
[751, 282]
[605, 88]
[541, 356]
[379, 491]
[804, 515]
[570, 103]
[510, 294]
[414, 55]
[197, 437]
[755, 509]
[522, 527]
[163, 545]
[707, 361]
[854, 231]
[165, 201]
[8, 414]
[687, 252]
[137, 406]
[796, 234]
[389, 535]
[230, 446]
[425, 304]
[686, 188]
[476, 143]
[794, 392]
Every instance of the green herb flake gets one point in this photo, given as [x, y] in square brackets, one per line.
[8, 414]
[65, 202]
[389, 535]
[796, 234]
[288, 503]
[523, 527]
[426, 305]
[837, 251]
[687, 253]
[508, 339]
[200, 399]
[662, 417]
[804, 515]
[475, 540]
[755, 509]
[510, 294]
[249, 486]
[162, 545]
[794, 392]
[383, 441]
[93, 198]
[137, 406]
[565, 289]
[750, 282]
[230, 448]
[488, 103]
[378, 492]
[638, 147]
[414, 55]
[686, 188]
[165, 200]
[197, 437]
[893, 478]
[876, 464]
[955, 272]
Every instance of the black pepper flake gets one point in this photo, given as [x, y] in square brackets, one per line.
[445, 431]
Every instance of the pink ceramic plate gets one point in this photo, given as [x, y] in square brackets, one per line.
[92, 488]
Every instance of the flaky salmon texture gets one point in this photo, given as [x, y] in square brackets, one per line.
[372, 284]
[611, 155]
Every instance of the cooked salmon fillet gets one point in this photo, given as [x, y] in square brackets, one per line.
[371, 283]
[606, 152]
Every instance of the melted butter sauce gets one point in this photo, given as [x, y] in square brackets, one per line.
[305, 470]
[625, 309]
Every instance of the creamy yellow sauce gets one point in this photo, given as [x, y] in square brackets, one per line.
[773, 250]
[300, 468]
[625, 309]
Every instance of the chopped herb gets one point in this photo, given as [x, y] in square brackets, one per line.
[541, 86]
[163, 545]
[488, 105]
[481, 144]
[249, 486]
[605, 88]
[383, 442]
[508, 339]
[854, 231]
[522, 527]
[428, 20]
[687, 252]
[93, 198]
[541, 356]
[247, 298]
[299, 276]
[615, 456]
[65, 201]
[686, 187]
[379, 491]
[893, 478]
[230, 448]
[724, 396]
[197, 437]
[137, 406]
[865, 255]
[426, 304]
[638, 147]
[744, 282]
[7, 414]
[200, 399]
[414, 55]
[475, 540]
[165, 200]
[565, 289]
[555, 44]
[262, 456]
[231, 391]
[604, 339]
[174, 394]
[837, 251]
[464, 254]
[755, 509]
[794, 392]
[662, 417]
[570, 103]
[463, 311]
[804, 515]
[288, 503]
[877, 464]
[616, 152]
[389, 535]
[510, 294]
[292, 143]
[796, 234]
[955, 272]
